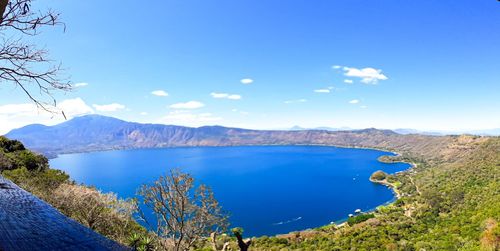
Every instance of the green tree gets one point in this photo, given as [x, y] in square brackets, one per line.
[378, 175]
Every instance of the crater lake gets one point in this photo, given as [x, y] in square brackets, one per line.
[267, 190]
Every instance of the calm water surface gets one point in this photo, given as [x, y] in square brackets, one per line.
[267, 189]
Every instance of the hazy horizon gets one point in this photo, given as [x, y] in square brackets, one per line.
[265, 65]
[485, 132]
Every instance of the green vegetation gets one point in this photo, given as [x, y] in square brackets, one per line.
[359, 218]
[378, 176]
[390, 159]
[13, 155]
[450, 200]
[448, 203]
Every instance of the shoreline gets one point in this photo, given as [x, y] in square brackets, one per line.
[339, 223]
[397, 195]
[55, 154]
[384, 182]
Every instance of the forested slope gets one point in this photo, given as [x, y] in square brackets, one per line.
[450, 204]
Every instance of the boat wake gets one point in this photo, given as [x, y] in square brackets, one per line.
[288, 221]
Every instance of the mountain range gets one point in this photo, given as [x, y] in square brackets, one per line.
[96, 133]
[485, 132]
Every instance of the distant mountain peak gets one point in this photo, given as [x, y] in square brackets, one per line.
[97, 132]
[95, 117]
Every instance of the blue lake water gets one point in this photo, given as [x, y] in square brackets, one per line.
[267, 189]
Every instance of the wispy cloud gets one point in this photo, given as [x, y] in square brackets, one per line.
[322, 90]
[188, 105]
[16, 108]
[363, 107]
[240, 112]
[325, 90]
[81, 84]
[188, 118]
[143, 113]
[302, 100]
[17, 115]
[109, 108]
[160, 93]
[246, 81]
[225, 95]
[354, 101]
[348, 81]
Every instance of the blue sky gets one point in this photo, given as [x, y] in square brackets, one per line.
[429, 65]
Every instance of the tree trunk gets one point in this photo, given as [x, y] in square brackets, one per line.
[243, 244]
[3, 5]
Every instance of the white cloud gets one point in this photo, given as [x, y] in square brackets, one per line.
[354, 101]
[10, 109]
[74, 107]
[240, 112]
[302, 100]
[188, 105]
[234, 96]
[80, 84]
[348, 81]
[109, 108]
[363, 107]
[188, 118]
[368, 75]
[336, 66]
[218, 95]
[160, 93]
[225, 95]
[246, 81]
[143, 113]
[18, 115]
[326, 90]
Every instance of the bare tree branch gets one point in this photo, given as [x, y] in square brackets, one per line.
[24, 64]
[184, 215]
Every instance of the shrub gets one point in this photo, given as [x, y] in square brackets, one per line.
[359, 218]
[10, 145]
[378, 175]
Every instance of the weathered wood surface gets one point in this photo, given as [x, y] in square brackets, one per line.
[28, 223]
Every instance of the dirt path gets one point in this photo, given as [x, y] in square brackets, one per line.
[416, 187]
